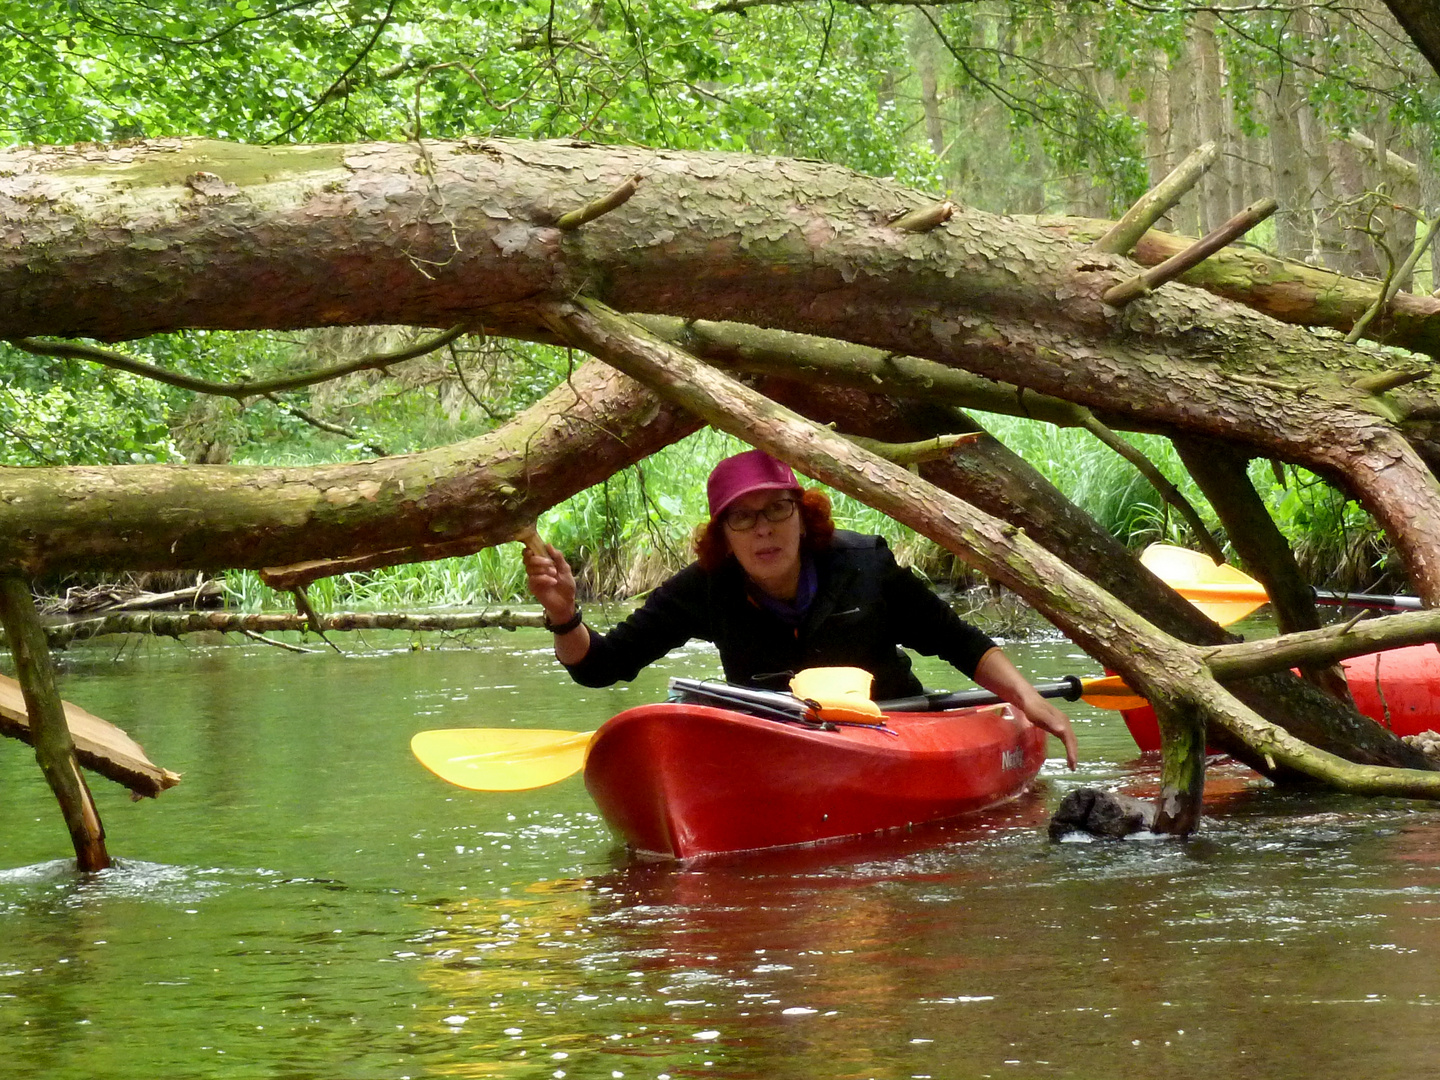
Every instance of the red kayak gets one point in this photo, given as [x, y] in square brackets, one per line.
[679, 780]
[1399, 688]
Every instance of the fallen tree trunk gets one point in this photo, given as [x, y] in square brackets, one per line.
[105, 242]
[998, 481]
[1285, 289]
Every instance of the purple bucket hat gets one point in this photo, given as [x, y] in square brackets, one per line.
[754, 470]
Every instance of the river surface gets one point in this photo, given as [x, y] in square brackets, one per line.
[310, 902]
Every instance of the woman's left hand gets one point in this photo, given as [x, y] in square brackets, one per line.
[997, 674]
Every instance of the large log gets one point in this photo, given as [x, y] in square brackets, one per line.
[453, 500]
[117, 242]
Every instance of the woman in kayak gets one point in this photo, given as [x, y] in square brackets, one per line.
[778, 588]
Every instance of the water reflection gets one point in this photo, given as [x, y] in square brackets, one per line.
[311, 903]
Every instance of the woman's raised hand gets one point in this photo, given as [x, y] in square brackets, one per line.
[549, 577]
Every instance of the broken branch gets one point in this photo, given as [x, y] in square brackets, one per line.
[1197, 252]
[925, 218]
[1156, 202]
[603, 205]
[1392, 285]
[1327, 645]
[913, 453]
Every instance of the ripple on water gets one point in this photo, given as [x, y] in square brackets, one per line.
[58, 886]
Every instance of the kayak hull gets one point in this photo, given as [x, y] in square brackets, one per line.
[680, 780]
[1399, 688]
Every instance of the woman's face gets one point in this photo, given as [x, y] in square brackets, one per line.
[768, 551]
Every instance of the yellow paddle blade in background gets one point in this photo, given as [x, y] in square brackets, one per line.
[1220, 591]
[1110, 692]
[501, 759]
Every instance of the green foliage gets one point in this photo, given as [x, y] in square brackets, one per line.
[56, 412]
[1103, 484]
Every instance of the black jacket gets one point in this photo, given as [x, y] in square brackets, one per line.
[865, 606]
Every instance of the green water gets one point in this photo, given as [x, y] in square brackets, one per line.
[309, 902]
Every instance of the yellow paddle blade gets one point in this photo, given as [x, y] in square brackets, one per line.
[501, 759]
[1110, 692]
[1219, 590]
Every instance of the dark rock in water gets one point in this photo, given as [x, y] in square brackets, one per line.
[1106, 814]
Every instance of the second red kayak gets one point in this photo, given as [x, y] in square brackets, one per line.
[1399, 688]
[681, 780]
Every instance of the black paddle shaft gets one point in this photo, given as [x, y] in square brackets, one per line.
[782, 706]
[1069, 689]
[1375, 600]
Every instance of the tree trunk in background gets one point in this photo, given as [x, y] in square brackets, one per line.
[1329, 245]
[1185, 130]
[1290, 172]
[1156, 80]
[1213, 118]
[923, 46]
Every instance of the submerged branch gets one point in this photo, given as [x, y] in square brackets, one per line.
[174, 624]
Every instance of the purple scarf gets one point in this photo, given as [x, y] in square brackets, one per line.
[792, 612]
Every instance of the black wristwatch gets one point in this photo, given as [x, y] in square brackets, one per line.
[566, 626]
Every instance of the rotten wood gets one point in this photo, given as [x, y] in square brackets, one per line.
[100, 746]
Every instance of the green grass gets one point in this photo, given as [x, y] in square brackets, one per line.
[627, 535]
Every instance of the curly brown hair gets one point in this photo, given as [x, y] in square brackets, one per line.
[712, 549]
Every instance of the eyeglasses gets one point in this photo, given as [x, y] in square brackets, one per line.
[742, 520]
